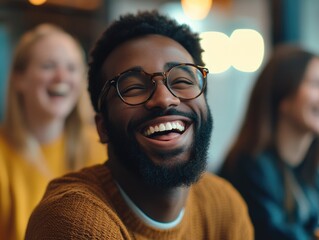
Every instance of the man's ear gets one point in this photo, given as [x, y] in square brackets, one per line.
[100, 126]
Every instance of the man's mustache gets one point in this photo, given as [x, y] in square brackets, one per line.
[160, 113]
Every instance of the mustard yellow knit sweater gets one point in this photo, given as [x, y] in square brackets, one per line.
[88, 205]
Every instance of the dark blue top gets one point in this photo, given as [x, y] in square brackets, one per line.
[261, 182]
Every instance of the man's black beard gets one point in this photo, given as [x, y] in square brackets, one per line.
[161, 176]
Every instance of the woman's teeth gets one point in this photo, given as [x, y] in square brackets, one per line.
[60, 89]
[164, 127]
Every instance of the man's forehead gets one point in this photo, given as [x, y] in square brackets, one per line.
[148, 52]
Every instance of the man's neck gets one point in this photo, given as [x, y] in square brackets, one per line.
[160, 205]
[145, 218]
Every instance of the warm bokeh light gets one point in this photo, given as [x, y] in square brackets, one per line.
[216, 46]
[196, 9]
[79, 4]
[37, 2]
[247, 50]
[244, 50]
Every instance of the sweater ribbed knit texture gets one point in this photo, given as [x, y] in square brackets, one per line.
[88, 205]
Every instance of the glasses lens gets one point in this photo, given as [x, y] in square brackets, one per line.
[135, 87]
[185, 81]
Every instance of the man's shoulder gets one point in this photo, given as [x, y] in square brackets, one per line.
[81, 181]
[85, 185]
[222, 205]
[75, 203]
[211, 180]
[217, 189]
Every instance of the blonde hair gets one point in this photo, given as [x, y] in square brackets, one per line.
[15, 128]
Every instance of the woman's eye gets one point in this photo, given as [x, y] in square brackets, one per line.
[47, 66]
[314, 83]
[72, 68]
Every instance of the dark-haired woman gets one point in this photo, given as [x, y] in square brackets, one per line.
[274, 161]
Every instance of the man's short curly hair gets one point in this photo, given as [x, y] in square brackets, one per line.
[131, 26]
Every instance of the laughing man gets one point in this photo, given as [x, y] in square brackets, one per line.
[148, 86]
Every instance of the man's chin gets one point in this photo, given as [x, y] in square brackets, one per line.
[169, 159]
[171, 173]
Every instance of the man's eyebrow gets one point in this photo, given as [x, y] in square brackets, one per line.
[169, 65]
[135, 68]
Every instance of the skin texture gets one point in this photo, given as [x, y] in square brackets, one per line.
[168, 151]
[299, 117]
[50, 85]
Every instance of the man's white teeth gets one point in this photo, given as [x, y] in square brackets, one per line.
[164, 127]
[59, 89]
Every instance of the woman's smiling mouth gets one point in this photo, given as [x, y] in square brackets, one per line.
[59, 90]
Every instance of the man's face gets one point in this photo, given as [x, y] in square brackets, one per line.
[171, 157]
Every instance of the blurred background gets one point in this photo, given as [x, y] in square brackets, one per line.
[237, 36]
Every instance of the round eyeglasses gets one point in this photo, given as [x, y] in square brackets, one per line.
[185, 81]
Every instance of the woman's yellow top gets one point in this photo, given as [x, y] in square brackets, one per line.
[22, 185]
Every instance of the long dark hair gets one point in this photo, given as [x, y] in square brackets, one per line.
[280, 78]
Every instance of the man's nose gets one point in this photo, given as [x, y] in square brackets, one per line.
[162, 97]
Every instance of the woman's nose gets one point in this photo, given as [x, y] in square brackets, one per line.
[61, 74]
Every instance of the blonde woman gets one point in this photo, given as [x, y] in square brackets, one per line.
[46, 131]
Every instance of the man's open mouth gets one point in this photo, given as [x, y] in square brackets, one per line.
[164, 129]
